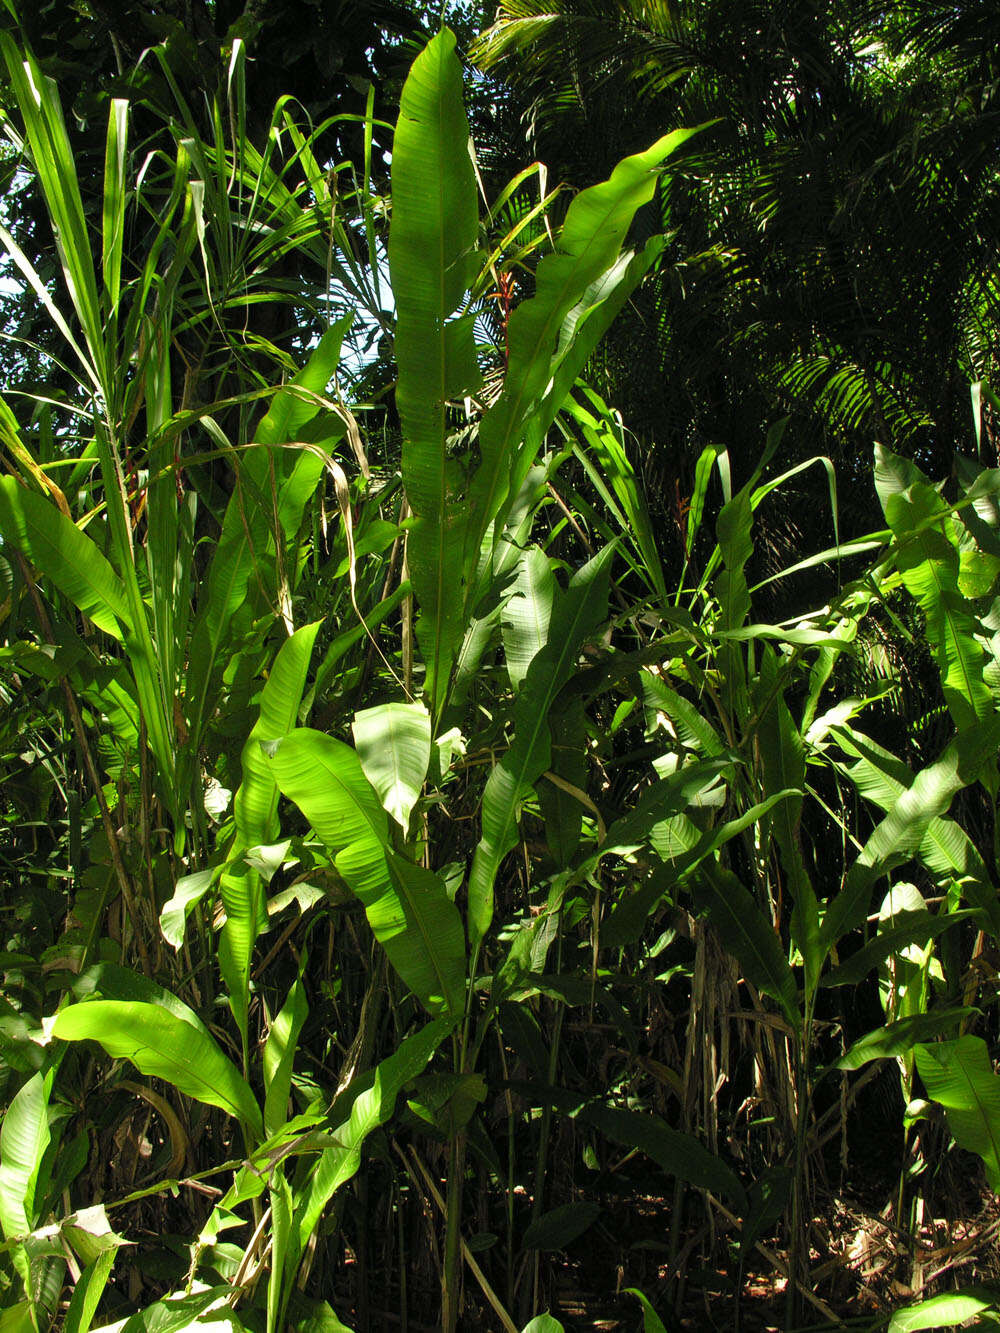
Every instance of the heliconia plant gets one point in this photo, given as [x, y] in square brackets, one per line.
[227, 586]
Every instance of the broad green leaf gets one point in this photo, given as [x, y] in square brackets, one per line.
[904, 828]
[408, 908]
[24, 1136]
[927, 556]
[748, 936]
[680, 1155]
[188, 893]
[163, 1046]
[65, 555]
[279, 1056]
[945, 1311]
[959, 1076]
[526, 616]
[561, 1226]
[393, 742]
[432, 259]
[589, 244]
[111, 981]
[543, 1323]
[915, 928]
[897, 1038]
[945, 849]
[651, 1321]
[371, 1108]
[255, 808]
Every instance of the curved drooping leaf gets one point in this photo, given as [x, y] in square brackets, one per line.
[111, 981]
[916, 928]
[959, 1076]
[393, 742]
[63, 554]
[575, 614]
[160, 1044]
[432, 259]
[408, 908]
[188, 893]
[945, 1311]
[897, 1038]
[651, 1321]
[748, 936]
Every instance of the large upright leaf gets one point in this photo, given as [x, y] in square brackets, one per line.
[255, 808]
[24, 1136]
[589, 244]
[162, 1045]
[408, 908]
[576, 614]
[959, 1076]
[782, 753]
[371, 1108]
[432, 245]
[945, 849]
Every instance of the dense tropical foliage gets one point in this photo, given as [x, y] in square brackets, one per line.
[500, 668]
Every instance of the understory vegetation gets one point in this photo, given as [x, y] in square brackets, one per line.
[501, 686]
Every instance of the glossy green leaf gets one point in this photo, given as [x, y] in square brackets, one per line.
[589, 244]
[393, 742]
[945, 1311]
[163, 1046]
[408, 908]
[255, 809]
[432, 245]
[651, 1321]
[279, 1056]
[24, 1136]
[372, 1107]
[88, 1292]
[900, 1037]
[959, 1076]
[65, 555]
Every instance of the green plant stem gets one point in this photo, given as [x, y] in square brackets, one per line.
[451, 1276]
